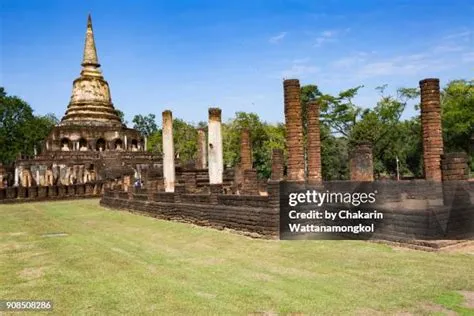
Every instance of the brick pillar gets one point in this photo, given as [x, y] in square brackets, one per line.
[245, 150]
[294, 130]
[273, 189]
[215, 189]
[179, 190]
[168, 152]
[361, 162]
[201, 161]
[431, 128]
[314, 143]
[189, 178]
[455, 166]
[457, 194]
[277, 165]
[250, 183]
[216, 158]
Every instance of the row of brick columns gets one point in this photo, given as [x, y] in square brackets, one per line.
[294, 138]
[361, 160]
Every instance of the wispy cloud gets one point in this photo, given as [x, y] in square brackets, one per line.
[448, 48]
[277, 38]
[459, 35]
[329, 36]
[299, 70]
[468, 57]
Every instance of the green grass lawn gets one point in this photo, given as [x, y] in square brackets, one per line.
[113, 262]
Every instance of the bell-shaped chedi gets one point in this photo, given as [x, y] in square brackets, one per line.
[91, 104]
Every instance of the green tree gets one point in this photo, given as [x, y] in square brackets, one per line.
[20, 130]
[457, 103]
[185, 140]
[146, 125]
[121, 115]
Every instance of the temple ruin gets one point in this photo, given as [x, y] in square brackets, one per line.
[437, 207]
[90, 151]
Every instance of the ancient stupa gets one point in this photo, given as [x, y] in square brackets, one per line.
[91, 122]
[90, 138]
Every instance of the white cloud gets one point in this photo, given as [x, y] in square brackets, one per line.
[329, 36]
[350, 61]
[448, 48]
[277, 38]
[459, 35]
[299, 70]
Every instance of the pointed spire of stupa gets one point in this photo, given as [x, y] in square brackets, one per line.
[91, 103]
[90, 62]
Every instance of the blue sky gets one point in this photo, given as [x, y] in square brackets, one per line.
[189, 55]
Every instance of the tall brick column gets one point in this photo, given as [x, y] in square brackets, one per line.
[294, 130]
[245, 150]
[314, 143]
[201, 161]
[431, 128]
[361, 162]
[168, 152]
[215, 153]
[277, 165]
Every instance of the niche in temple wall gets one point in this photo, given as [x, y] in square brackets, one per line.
[87, 90]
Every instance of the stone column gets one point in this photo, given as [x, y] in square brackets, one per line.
[314, 143]
[245, 150]
[201, 161]
[146, 143]
[431, 128]
[125, 143]
[294, 130]
[216, 158]
[277, 165]
[361, 162]
[17, 177]
[168, 152]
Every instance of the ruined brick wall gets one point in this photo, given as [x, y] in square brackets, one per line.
[415, 212]
[51, 193]
[431, 128]
[249, 214]
[294, 130]
[455, 175]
